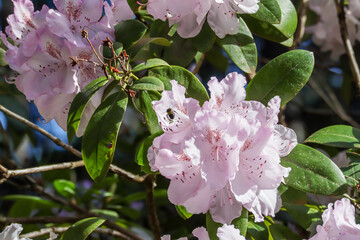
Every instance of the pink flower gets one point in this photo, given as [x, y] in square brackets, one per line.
[338, 222]
[190, 15]
[224, 155]
[46, 40]
[12, 232]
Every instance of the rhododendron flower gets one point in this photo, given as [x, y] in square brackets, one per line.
[224, 155]
[12, 232]
[338, 222]
[190, 15]
[45, 42]
[326, 33]
[225, 232]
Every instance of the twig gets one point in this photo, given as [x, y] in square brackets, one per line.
[199, 64]
[150, 203]
[300, 30]
[50, 219]
[60, 230]
[57, 141]
[347, 43]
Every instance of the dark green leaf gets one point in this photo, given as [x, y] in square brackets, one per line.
[148, 83]
[212, 227]
[217, 59]
[257, 230]
[135, 49]
[99, 141]
[313, 172]
[269, 11]
[181, 52]
[151, 63]
[128, 32]
[342, 136]
[241, 48]
[204, 41]
[284, 76]
[281, 32]
[79, 103]
[241, 222]
[160, 193]
[82, 229]
[106, 214]
[280, 232]
[182, 212]
[108, 54]
[65, 187]
[304, 215]
[293, 196]
[194, 87]
[37, 200]
[353, 170]
[148, 112]
[141, 154]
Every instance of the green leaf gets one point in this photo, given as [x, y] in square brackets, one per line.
[66, 188]
[151, 63]
[280, 232]
[269, 11]
[194, 87]
[257, 230]
[304, 215]
[106, 214]
[3, 63]
[353, 170]
[148, 83]
[128, 32]
[181, 52]
[341, 136]
[212, 226]
[241, 48]
[135, 49]
[276, 32]
[241, 222]
[204, 41]
[313, 172]
[82, 229]
[99, 141]
[284, 76]
[141, 154]
[108, 54]
[37, 200]
[148, 112]
[181, 210]
[79, 103]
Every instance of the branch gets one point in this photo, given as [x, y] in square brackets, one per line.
[60, 230]
[347, 43]
[300, 30]
[57, 141]
[150, 203]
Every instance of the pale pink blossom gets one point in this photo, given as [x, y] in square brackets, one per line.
[338, 222]
[47, 39]
[190, 15]
[12, 232]
[224, 155]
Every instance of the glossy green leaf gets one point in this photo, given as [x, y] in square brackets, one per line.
[106, 214]
[276, 32]
[65, 187]
[144, 42]
[148, 112]
[341, 136]
[257, 230]
[39, 202]
[158, 193]
[99, 141]
[194, 88]
[181, 52]
[79, 103]
[151, 63]
[304, 215]
[313, 172]
[128, 32]
[353, 170]
[182, 212]
[241, 48]
[284, 76]
[269, 11]
[241, 222]
[148, 83]
[82, 229]
[212, 227]
[141, 154]
[217, 58]
[204, 41]
[281, 232]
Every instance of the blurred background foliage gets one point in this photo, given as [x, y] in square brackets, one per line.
[329, 98]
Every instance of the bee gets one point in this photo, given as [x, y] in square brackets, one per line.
[170, 114]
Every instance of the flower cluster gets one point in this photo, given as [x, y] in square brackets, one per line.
[326, 33]
[224, 155]
[338, 222]
[45, 42]
[190, 15]
[225, 232]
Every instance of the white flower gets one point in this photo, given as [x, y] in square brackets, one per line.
[12, 232]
